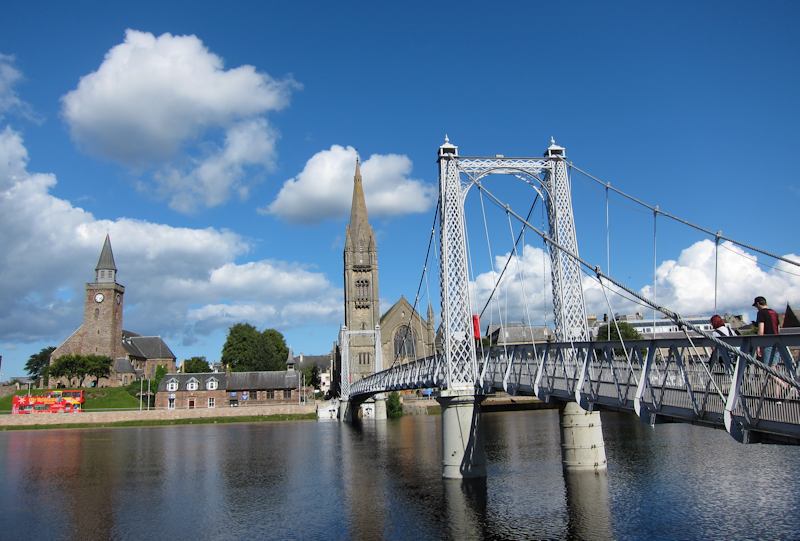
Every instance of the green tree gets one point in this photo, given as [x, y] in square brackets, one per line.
[311, 374]
[241, 349]
[394, 408]
[246, 349]
[72, 367]
[38, 362]
[161, 371]
[195, 365]
[275, 350]
[608, 332]
[96, 366]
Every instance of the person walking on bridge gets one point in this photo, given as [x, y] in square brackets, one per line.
[767, 322]
[721, 328]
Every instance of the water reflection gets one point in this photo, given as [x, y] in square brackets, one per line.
[466, 508]
[587, 500]
[382, 480]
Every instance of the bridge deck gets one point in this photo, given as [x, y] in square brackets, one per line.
[687, 380]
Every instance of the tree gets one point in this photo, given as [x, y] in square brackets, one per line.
[275, 348]
[161, 371]
[195, 365]
[626, 329]
[394, 408]
[38, 362]
[72, 367]
[241, 349]
[97, 366]
[311, 374]
[246, 349]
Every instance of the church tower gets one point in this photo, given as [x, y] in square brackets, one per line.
[102, 309]
[361, 305]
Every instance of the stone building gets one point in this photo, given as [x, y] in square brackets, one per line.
[405, 335]
[232, 389]
[101, 332]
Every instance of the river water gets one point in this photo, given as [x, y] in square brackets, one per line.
[309, 480]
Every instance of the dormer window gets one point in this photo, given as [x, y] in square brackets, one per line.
[192, 385]
[212, 384]
[172, 385]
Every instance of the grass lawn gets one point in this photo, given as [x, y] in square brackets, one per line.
[96, 399]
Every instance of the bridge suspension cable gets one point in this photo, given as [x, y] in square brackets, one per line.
[657, 210]
[677, 318]
[423, 277]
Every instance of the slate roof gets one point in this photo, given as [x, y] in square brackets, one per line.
[320, 361]
[149, 347]
[106, 261]
[236, 381]
[243, 381]
[183, 379]
[123, 366]
[518, 334]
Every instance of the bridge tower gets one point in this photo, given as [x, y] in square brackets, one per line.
[582, 441]
[462, 439]
[581, 431]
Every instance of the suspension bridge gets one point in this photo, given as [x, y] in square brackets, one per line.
[746, 385]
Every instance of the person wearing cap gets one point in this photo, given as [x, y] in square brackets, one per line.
[767, 321]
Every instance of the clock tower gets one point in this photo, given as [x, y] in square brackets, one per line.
[102, 309]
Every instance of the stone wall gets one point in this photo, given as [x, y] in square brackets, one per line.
[152, 415]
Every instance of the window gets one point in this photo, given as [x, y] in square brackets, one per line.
[363, 358]
[362, 293]
[212, 385]
[172, 385]
[404, 341]
[212, 402]
[192, 385]
[287, 393]
[270, 395]
[171, 404]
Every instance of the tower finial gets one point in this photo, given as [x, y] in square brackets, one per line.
[446, 139]
[552, 140]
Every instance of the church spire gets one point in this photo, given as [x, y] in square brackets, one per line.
[106, 269]
[359, 228]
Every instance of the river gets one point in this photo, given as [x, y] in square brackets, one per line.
[309, 480]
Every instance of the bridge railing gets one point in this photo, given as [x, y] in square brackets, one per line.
[685, 379]
[692, 380]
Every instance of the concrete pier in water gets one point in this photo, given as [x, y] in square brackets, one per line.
[463, 454]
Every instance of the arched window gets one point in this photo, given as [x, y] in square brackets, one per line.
[405, 343]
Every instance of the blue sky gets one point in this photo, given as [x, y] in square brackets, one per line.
[216, 146]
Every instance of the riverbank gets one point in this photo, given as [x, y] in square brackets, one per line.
[100, 419]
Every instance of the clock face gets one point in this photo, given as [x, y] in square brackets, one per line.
[99, 297]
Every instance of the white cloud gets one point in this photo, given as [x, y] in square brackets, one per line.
[154, 98]
[9, 99]
[324, 188]
[212, 179]
[180, 282]
[685, 285]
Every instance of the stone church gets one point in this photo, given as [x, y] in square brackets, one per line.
[405, 335]
[101, 333]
